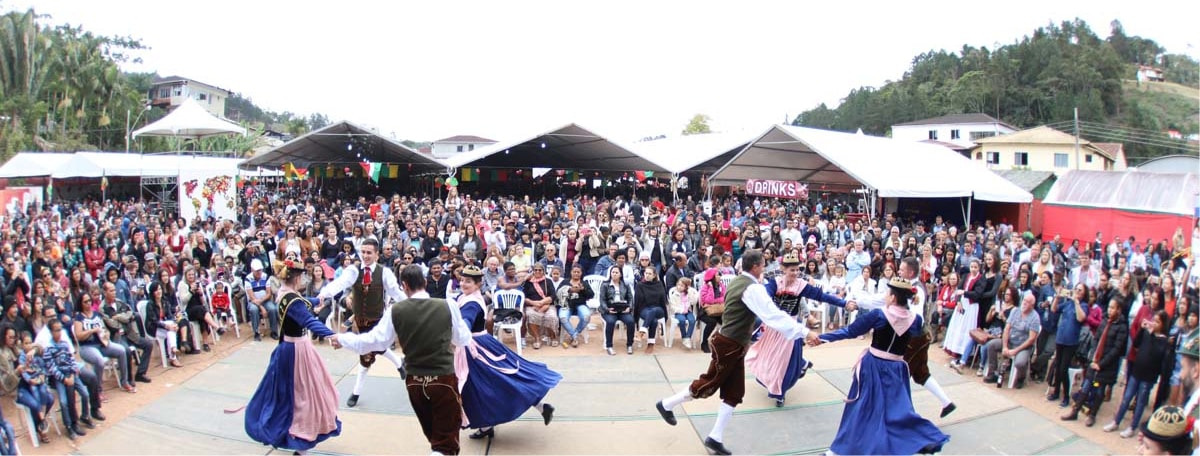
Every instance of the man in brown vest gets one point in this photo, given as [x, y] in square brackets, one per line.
[745, 299]
[368, 284]
[424, 328]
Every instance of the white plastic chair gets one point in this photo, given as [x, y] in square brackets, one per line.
[511, 299]
[594, 281]
[727, 279]
[28, 415]
[232, 316]
[162, 342]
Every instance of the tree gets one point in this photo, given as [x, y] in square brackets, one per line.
[698, 125]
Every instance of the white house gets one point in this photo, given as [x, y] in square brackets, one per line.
[447, 147]
[169, 92]
[962, 130]
[1149, 73]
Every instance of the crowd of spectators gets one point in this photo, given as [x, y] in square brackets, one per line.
[91, 287]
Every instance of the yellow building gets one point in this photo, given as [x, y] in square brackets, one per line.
[1045, 149]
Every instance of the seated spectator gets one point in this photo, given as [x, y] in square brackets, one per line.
[541, 313]
[575, 294]
[683, 299]
[712, 293]
[1016, 344]
[162, 322]
[96, 344]
[650, 304]
[63, 372]
[616, 302]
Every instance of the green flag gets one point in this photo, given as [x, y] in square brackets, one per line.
[375, 168]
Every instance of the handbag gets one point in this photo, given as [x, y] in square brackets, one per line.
[980, 336]
[714, 310]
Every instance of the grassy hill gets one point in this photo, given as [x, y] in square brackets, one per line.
[1148, 110]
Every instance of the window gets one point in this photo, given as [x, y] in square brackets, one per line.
[977, 135]
[164, 92]
[1088, 158]
[460, 148]
[1060, 161]
[993, 158]
[1020, 158]
[933, 135]
[954, 134]
[470, 147]
[202, 96]
[177, 92]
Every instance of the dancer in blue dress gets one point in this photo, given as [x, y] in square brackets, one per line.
[879, 417]
[295, 406]
[497, 385]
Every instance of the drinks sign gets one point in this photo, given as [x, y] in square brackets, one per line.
[777, 189]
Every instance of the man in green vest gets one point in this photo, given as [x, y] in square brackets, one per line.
[1189, 377]
[371, 285]
[745, 299]
[427, 330]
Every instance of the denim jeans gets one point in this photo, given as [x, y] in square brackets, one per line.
[95, 356]
[8, 441]
[610, 324]
[256, 315]
[582, 311]
[687, 324]
[37, 399]
[1142, 389]
[66, 401]
[650, 316]
[966, 354]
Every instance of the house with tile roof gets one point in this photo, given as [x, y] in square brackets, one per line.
[1045, 149]
[961, 130]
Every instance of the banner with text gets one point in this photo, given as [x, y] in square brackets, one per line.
[776, 189]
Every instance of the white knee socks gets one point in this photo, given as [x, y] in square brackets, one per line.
[932, 385]
[724, 414]
[394, 358]
[678, 398]
[362, 378]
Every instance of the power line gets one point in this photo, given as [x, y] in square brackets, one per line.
[1113, 137]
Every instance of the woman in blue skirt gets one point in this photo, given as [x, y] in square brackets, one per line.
[497, 385]
[879, 416]
[295, 406]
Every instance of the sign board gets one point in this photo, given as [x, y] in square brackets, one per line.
[16, 199]
[207, 194]
[776, 189]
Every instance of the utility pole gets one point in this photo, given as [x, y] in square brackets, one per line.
[1076, 137]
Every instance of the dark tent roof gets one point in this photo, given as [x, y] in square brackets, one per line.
[343, 143]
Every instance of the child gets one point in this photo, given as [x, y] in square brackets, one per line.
[33, 392]
[221, 303]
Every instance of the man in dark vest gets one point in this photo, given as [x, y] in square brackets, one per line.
[745, 299]
[368, 285]
[427, 330]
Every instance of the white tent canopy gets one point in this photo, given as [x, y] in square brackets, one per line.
[101, 164]
[568, 147]
[190, 120]
[33, 164]
[686, 152]
[893, 168]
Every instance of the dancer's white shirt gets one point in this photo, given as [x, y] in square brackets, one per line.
[381, 336]
[759, 301]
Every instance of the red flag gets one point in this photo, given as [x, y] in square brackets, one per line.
[640, 175]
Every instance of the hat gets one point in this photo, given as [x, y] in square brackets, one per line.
[645, 255]
[1167, 424]
[471, 271]
[725, 224]
[812, 240]
[256, 265]
[709, 274]
[791, 260]
[283, 269]
[1191, 349]
[150, 256]
[898, 283]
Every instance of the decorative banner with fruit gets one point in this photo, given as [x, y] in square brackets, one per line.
[206, 195]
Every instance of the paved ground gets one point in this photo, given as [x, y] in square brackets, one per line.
[605, 406]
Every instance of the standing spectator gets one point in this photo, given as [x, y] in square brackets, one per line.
[1103, 363]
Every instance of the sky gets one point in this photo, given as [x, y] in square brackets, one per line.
[624, 69]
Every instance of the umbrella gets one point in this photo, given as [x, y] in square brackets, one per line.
[190, 120]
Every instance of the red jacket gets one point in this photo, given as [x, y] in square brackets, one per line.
[723, 240]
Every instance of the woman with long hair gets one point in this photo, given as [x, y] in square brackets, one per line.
[295, 405]
[1152, 348]
[161, 321]
[616, 304]
[1072, 310]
